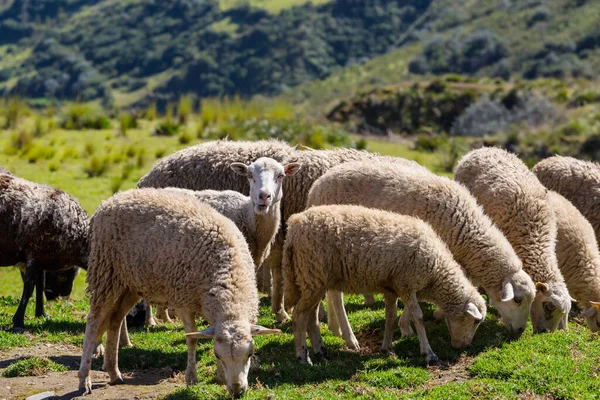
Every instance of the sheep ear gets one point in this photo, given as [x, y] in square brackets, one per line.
[573, 300]
[508, 292]
[258, 330]
[475, 313]
[207, 333]
[590, 312]
[239, 168]
[292, 168]
[541, 287]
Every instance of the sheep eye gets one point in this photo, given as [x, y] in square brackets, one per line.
[518, 300]
[549, 307]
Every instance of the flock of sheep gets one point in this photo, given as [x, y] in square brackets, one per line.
[324, 222]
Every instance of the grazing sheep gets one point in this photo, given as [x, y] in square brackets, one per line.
[257, 215]
[44, 228]
[578, 257]
[55, 283]
[206, 166]
[477, 245]
[171, 249]
[576, 180]
[518, 204]
[360, 250]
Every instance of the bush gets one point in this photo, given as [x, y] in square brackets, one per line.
[166, 128]
[21, 140]
[451, 152]
[127, 121]
[185, 109]
[151, 112]
[39, 152]
[482, 118]
[160, 153]
[78, 116]
[430, 144]
[540, 14]
[535, 110]
[185, 137]
[96, 166]
[53, 167]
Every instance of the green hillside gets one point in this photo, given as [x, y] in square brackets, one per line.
[134, 52]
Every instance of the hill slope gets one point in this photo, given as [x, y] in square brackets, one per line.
[135, 51]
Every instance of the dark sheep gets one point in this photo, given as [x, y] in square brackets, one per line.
[44, 228]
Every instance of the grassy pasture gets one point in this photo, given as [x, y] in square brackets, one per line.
[559, 365]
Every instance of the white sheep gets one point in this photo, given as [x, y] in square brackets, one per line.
[257, 215]
[173, 250]
[518, 204]
[206, 166]
[477, 245]
[578, 181]
[578, 257]
[360, 250]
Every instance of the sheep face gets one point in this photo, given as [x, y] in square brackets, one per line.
[463, 326]
[514, 301]
[592, 316]
[234, 348]
[551, 304]
[60, 283]
[265, 176]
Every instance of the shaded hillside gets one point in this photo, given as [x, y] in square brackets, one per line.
[193, 46]
[133, 52]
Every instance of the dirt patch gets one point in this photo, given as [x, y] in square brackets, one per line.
[140, 384]
[456, 372]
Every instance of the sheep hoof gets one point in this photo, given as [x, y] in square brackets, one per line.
[125, 345]
[386, 350]
[369, 300]
[353, 345]
[321, 356]
[99, 352]
[85, 387]
[118, 381]
[42, 315]
[432, 360]
[306, 361]
[151, 323]
[18, 330]
[407, 331]
[282, 317]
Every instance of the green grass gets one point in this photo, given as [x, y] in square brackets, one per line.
[33, 366]
[562, 364]
[273, 6]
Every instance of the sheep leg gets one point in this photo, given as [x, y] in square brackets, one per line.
[124, 335]
[336, 307]
[277, 306]
[332, 315]
[28, 286]
[301, 318]
[189, 324]
[116, 320]
[149, 318]
[90, 342]
[412, 305]
[39, 294]
[163, 314]
[404, 323]
[266, 278]
[315, 335]
[369, 299]
[391, 313]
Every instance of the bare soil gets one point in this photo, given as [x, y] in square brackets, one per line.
[141, 384]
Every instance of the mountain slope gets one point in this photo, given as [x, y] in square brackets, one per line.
[136, 51]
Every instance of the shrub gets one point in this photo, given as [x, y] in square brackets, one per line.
[22, 140]
[451, 152]
[166, 128]
[115, 184]
[33, 366]
[160, 153]
[482, 118]
[361, 144]
[535, 110]
[53, 167]
[185, 137]
[15, 108]
[127, 121]
[79, 116]
[430, 144]
[96, 166]
[141, 157]
[540, 14]
[38, 129]
[39, 152]
[151, 112]
[185, 109]
[573, 128]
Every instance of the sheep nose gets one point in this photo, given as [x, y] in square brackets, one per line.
[264, 195]
[237, 389]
